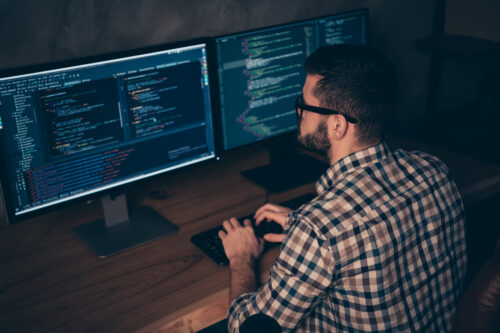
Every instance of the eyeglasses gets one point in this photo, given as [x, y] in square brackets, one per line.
[300, 106]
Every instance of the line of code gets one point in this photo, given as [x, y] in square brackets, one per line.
[52, 181]
[81, 117]
[161, 99]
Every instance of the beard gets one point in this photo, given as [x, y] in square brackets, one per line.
[317, 141]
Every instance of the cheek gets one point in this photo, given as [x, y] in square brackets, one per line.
[308, 124]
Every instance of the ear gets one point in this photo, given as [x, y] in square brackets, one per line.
[337, 127]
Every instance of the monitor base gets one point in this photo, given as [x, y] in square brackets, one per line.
[302, 169]
[143, 226]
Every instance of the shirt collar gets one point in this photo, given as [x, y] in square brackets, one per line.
[357, 160]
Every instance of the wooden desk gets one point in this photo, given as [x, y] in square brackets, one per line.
[50, 281]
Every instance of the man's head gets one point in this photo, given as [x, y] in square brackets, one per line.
[358, 84]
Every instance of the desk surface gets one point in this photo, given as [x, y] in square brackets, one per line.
[50, 281]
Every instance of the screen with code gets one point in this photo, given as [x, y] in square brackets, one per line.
[69, 132]
[261, 73]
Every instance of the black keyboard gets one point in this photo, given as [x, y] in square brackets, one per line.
[209, 242]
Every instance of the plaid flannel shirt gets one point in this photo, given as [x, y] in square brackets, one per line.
[380, 249]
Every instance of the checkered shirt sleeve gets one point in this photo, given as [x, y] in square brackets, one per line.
[298, 280]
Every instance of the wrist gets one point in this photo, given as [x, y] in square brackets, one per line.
[242, 275]
[242, 261]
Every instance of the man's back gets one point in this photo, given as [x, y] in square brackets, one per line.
[382, 248]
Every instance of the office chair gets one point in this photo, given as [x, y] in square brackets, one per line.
[479, 308]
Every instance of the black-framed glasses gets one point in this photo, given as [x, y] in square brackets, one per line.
[300, 106]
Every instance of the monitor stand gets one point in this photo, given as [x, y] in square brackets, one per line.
[287, 168]
[119, 231]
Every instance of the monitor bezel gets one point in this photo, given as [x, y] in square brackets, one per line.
[279, 138]
[8, 201]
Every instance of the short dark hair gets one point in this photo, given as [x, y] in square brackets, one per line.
[359, 82]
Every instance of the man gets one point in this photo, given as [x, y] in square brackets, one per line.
[382, 246]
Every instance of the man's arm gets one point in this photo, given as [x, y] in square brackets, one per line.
[298, 280]
[239, 245]
[243, 279]
[242, 249]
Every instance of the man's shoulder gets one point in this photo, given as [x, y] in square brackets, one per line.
[423, 161]
[354, 197]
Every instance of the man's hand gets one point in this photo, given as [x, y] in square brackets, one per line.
[240, 242]
[270, 212]
[242, 248]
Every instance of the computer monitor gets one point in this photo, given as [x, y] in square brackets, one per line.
[260, 74]
[76, 129]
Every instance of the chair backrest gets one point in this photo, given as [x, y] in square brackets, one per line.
[479, 309]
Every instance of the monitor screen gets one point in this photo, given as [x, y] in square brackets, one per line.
[260, 73]
[71, 131]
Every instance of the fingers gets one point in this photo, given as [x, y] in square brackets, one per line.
[261, 209]
[234, 222]
[271, 212]
[240, 240]
[274, 238]
[227, 225]
[264, 208]
[222, 234]
[261, 243]
[277, 217]
[272, 207]
[231, 224]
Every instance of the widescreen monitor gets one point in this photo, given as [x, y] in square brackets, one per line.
[74, 129]
[261, 72]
